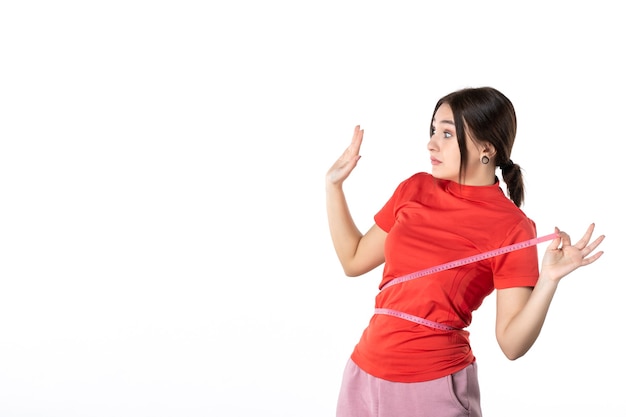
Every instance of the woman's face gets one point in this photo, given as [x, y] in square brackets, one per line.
[443, 146]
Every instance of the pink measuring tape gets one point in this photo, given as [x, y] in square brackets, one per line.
[471, 259]
[450, 265]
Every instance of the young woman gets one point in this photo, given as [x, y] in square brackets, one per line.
[414, 358]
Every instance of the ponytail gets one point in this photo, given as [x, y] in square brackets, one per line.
[512, 176]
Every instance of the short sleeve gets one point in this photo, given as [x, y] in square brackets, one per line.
[519, 268]
[386, 216]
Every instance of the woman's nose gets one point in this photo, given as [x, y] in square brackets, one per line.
[432, 143]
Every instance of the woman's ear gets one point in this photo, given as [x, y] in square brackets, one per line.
[489, 150]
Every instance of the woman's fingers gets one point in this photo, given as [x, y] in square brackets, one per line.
[586, 237]
[590, 248]
[348, 159]
[565, 239]
[583, 247]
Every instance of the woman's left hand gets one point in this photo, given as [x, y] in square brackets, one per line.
[562, 257]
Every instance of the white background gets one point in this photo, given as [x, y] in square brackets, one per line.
[163, 240]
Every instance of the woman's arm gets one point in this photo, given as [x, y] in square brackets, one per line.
[521, 312]
[357, 253]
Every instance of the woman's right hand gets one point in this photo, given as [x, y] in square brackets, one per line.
[342, 168]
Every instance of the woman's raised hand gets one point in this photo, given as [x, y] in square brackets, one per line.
[342, 168]
[559, 261]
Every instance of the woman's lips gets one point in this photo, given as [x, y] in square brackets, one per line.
[434, 161]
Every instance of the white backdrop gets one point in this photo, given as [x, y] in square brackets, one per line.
[163, 240]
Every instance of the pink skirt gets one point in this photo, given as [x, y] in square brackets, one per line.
[363, 395]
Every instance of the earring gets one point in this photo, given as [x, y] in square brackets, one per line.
[484, 159]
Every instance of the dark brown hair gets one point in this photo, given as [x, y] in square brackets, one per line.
[490, 117]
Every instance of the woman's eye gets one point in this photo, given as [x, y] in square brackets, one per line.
[446, 135]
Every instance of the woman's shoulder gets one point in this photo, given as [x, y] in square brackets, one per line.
[419, 177]
[414, 182]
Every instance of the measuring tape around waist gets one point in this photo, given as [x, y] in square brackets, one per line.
[414, 319]
[471, 259]
[450, 265]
